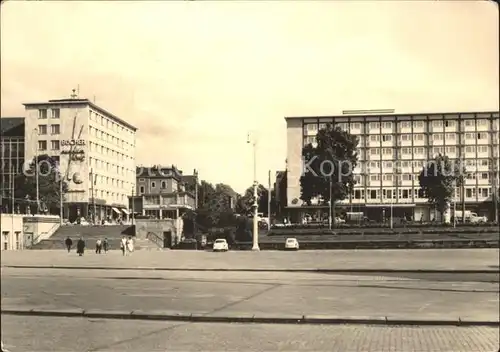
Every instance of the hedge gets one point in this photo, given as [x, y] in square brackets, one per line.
[385, 226]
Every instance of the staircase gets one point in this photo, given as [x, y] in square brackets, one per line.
[145, 244]
[90, 234]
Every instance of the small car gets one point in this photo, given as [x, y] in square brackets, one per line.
[220, 245]
[291, 244]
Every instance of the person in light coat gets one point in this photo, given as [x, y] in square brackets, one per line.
[130, 245]
[123, 245]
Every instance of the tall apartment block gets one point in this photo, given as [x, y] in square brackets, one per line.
[391, 153]
[95, 150]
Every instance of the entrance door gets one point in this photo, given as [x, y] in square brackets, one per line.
[167, 239]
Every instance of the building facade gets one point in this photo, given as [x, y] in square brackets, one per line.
[12, 156]
[391, 153]
[160, 193]
[95, 150]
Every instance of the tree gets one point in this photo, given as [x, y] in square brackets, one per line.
[245, 203]
[214, 205]
[330, 162]
[49, 183]
[438, 180]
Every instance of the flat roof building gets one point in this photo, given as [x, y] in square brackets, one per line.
[90, 143]
[391, 152]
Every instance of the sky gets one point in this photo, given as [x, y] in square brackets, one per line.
[197, 76]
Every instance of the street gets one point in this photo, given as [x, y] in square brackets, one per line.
[22, 334]
[423, 296]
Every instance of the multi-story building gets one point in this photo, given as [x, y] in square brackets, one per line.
[12, 155]
[160, 193]
[391, 152]
[90, 143]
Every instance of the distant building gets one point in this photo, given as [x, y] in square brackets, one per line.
[160, 193]
[392, 150]
[88, 142]
[11, 154]
[280, 192]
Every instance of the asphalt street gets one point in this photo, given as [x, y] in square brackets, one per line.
[27, 334]
[252, 293]
[416, 259]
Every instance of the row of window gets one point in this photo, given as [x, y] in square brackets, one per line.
[11, 148]
[54, 145]
[6, 244]
[44, 113]
[410, 193]
[414, 177]
[101, 165]
[109, 138]
[109, 195]
[485, 123]
[109, 152]
[420, 164]
[110, 124]
[54, 129]
[434, 150]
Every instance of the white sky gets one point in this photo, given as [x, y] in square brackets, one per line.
[195, 76]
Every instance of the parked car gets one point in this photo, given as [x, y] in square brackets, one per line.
[292, 244]
[220, 245]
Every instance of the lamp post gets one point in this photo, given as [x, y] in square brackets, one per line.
[35, 131]
[255, 244]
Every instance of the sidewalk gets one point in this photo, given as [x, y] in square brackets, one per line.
[427, 260]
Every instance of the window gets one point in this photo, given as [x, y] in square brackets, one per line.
[450, 150]
[42, 129]
[484, 176]
[482, 135]
[405, 137]
[54, 145]
[438, 150]
[437, 123]
[56, 113]
[375, 164]
[482, 122]
[55, 129]
[450, 136]
[406, 177]
[163, 184]
[357, 194]
[468, 123]
[418, 124]
[373, 194]
[485, 162]
[405, 124]
[469, 136]
[470, 149]
[141, 190]
[387, 151]
[42, 145]
[311, 127]
[449, 123]
[374, 125]
[375, 177]
[153, 184]
[356, 126]
[406, 150]
[468, 193]
[386, 125]
[419, 150]
[418, 137]
[405, 194]
[388, 177]
[322, 126]
[387, 138]
[375, 151]
[17, 239]
[42, 113]
[438, 136]
[375, 138]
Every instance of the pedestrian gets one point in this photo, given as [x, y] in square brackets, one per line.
[123, 245]
[98, 246]
[68, 243]
[80, 247]
[105, 245]
[130, 245]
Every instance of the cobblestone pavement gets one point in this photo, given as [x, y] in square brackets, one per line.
[419, 259]
[41, 334]
[236, 293]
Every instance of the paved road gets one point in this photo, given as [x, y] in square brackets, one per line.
[435, 259]
[250, 293]
[23, 334]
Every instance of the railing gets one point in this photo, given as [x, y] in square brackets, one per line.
[153, 237]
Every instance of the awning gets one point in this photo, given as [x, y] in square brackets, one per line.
[126, 212]
[115, 210]
[388, 205]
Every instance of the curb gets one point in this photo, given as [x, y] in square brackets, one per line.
[306, 270]
[250, 318]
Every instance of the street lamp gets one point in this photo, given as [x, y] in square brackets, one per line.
[255, 245]
[35, 131]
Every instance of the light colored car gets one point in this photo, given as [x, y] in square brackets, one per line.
[291, 244]
[220, 245]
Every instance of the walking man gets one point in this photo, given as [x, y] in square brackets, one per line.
[68, 243]
[80, 246]
[98, 246]
[123, 245]
[105, 245]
